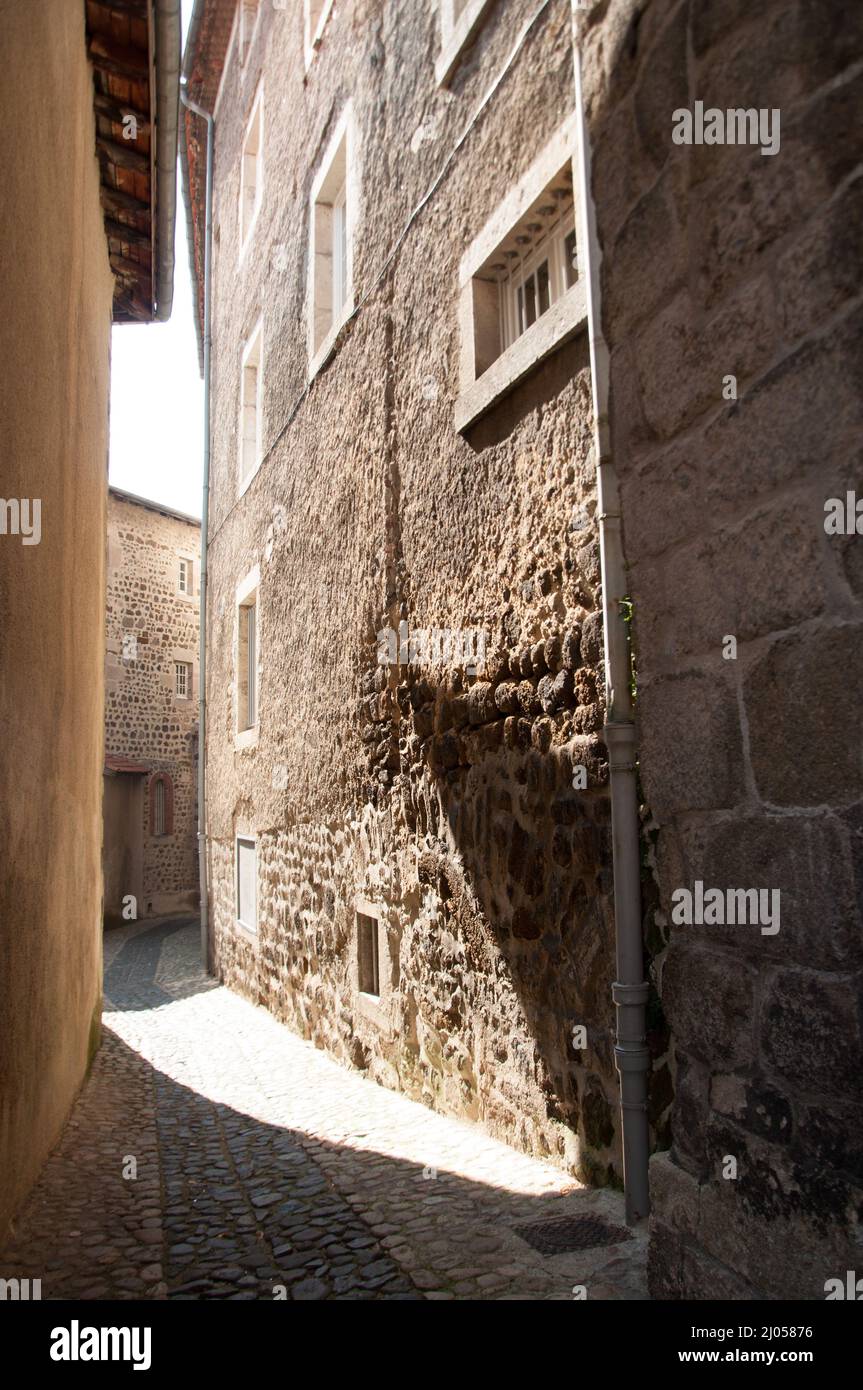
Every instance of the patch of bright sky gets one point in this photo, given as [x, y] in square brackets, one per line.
[157, 428]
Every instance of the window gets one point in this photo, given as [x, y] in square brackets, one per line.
[161, 804]
[520, 294]
[252, 172]
[330, 260]
[247, 665]
[251, 399]
[538, 266]
[460, 21]
[249, 10]
[183, 680]
[247, 883]
[316, 13]
[368, 961]
[185, 579]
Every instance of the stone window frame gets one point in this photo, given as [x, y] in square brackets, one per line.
[253, 343]
[479, 390]
[457, 32]
[377, 1009]
[246, 232]
[322, 345]
[249, 589]
[312, 38]
[164, 780]
[247, 837]
[245, 38]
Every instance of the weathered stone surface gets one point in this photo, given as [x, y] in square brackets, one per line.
[691, 744]
[788, 692]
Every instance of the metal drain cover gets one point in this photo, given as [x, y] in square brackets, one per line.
[571, 1233]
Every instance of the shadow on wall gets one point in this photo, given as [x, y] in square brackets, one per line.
[515, 854]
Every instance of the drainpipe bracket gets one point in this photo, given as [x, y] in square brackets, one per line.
[631, 1059]
[630, 996]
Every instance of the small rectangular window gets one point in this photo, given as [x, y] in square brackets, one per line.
[251, 172]
[182, 680]
[159, 807]
[368, 963]
[185, 576]
[251, 394]
[248, 20]
[330, 263]
[247, 894]
[247, 673]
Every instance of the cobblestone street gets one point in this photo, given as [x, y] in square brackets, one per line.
[213, 1154]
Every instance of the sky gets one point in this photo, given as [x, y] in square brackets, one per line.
[157, 397]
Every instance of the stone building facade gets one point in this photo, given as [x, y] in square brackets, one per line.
[151, 709]
[721, 261]
[409, 837]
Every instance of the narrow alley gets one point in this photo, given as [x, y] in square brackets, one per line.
[214, 1154]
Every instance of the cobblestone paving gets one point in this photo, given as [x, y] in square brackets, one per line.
[213, 1154]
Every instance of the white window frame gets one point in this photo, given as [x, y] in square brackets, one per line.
[246, 229]
[186, 588]
[245, 839]
[246, 36]
[457, 31]
[552, 250]
[493, 359]
[248, 594]
[184, 681]
[313, 30]
[334, 196]
[254, 347]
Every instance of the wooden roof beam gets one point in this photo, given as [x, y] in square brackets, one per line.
[123, 156]
[117, 111]
[131, 235]
[115, 200]
[135, 9]
[118, 58]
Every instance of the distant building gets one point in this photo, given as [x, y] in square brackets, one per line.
[151, 710]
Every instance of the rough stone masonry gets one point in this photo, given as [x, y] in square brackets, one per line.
[443, 807]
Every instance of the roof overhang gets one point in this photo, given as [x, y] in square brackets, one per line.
[207, 44]
[134, 48]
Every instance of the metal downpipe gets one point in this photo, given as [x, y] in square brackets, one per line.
[630, 989]
[206, 952]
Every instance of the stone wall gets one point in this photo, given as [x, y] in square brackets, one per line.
[442, 801]
[719, 260]
[56, 290]
[145, 721]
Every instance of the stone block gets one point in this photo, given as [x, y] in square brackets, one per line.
[691, 750]
[808, 859]
[709, 1002]
[646, 260]
[805, 718]
[810, 1032]
[681, 359]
